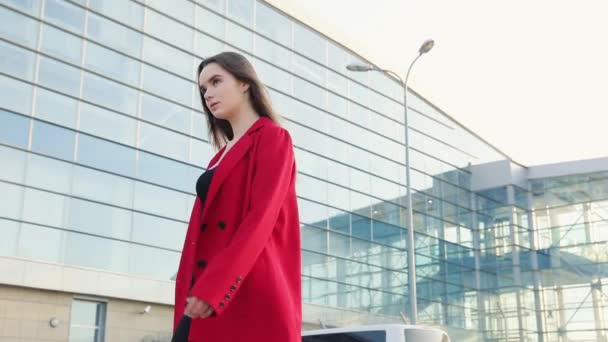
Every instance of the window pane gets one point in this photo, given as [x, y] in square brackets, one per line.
[112, 64]
[202, 152]
[8, 243]
[164, 266]
[156, 231]
[205, 46]
[272, 24]
[309, 43]
[99, 219]
[56, 108]
[209, 22]
[11, 200]
[13, 166]
[156, 200]
[182, 10]
[78, 249]
[116, 36]
[165, 113]
[163, 142]
[53, 141]
[169, 30]
[93, 184]
[62, 45]
[163, 171]
[107, 124]
[16, 61]
[241, 11]
[83, 334]
[53, 205]
[239, 37]
[14, 129]
[167, 85]
[15, 95]
[49, 174]
[18, 28]
[106, 155]
[169, 58]
[39, 243]
[30, 6]
[65, 15]
[110, 94]
[85, 313]
[60, 77]
[127, 12]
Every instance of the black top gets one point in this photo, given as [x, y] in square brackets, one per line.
[203, 183]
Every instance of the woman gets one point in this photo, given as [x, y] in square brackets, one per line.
[239, 274]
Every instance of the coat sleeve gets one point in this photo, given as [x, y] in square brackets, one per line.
[275, 170]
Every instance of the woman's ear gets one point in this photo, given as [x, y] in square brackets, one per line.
[244, 87]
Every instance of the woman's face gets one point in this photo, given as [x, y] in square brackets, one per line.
[224, 95]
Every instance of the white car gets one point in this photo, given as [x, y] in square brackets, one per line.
[377, 333]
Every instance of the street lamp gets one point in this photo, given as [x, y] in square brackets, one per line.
[411, 263]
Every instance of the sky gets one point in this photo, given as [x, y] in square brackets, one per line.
[528, 76]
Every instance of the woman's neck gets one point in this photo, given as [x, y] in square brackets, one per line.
[241, 123]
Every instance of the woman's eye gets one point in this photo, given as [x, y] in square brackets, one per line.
[215, 82]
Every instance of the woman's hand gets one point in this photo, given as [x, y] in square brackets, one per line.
[197, 308]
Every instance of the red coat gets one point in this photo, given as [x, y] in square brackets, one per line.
[242, 250]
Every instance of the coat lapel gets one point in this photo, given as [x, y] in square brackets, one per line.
[230, 160]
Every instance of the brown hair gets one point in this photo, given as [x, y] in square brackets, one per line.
[239, 67]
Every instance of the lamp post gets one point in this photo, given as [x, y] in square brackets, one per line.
[411, 262]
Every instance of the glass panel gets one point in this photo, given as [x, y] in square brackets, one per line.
[158, 231]
[13, 166]
[53, 205]
[93, 184]
[11, 200]
[110, 94]
[58, 76]
[84, 313]
[8, 243]
[216, 5]
[165, 114]
[65, 15]
[16, 61]
[167, 85]
[272, 24]
[182, 10]
[99, 219]
[18, 28]
[112, 64]
[169, 30]
[39, 243]
[128, 12]
[50, 174]
[239, 37]
[106, 124]
[173, 204]
[56, 108]
[114, 35]
[241, 11]
[53, 140]
[209, 22]
[202, 152]
[205, 46]
[106, 155]
[83, 334]
[14, 129]
[15, 95]
[164, 267]
[30, 6]
[164, 56]
[78, 249]
[62, 45]
[309, 43]
[155, 169]
[163, 142]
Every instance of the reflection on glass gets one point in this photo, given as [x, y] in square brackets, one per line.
[53, 140]
[14, 129]
[106, 155]
[39, 243]
[18, 28]
[16, 61]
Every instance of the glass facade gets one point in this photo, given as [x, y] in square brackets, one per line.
[103, 92]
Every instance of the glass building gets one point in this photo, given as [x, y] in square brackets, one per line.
[102, 139]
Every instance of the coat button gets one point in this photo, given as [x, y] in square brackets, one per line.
[222, 305]
[203, 227]
[222, 225]
[232, 288]
[238, 279]
[227, 297]
[202, 264]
